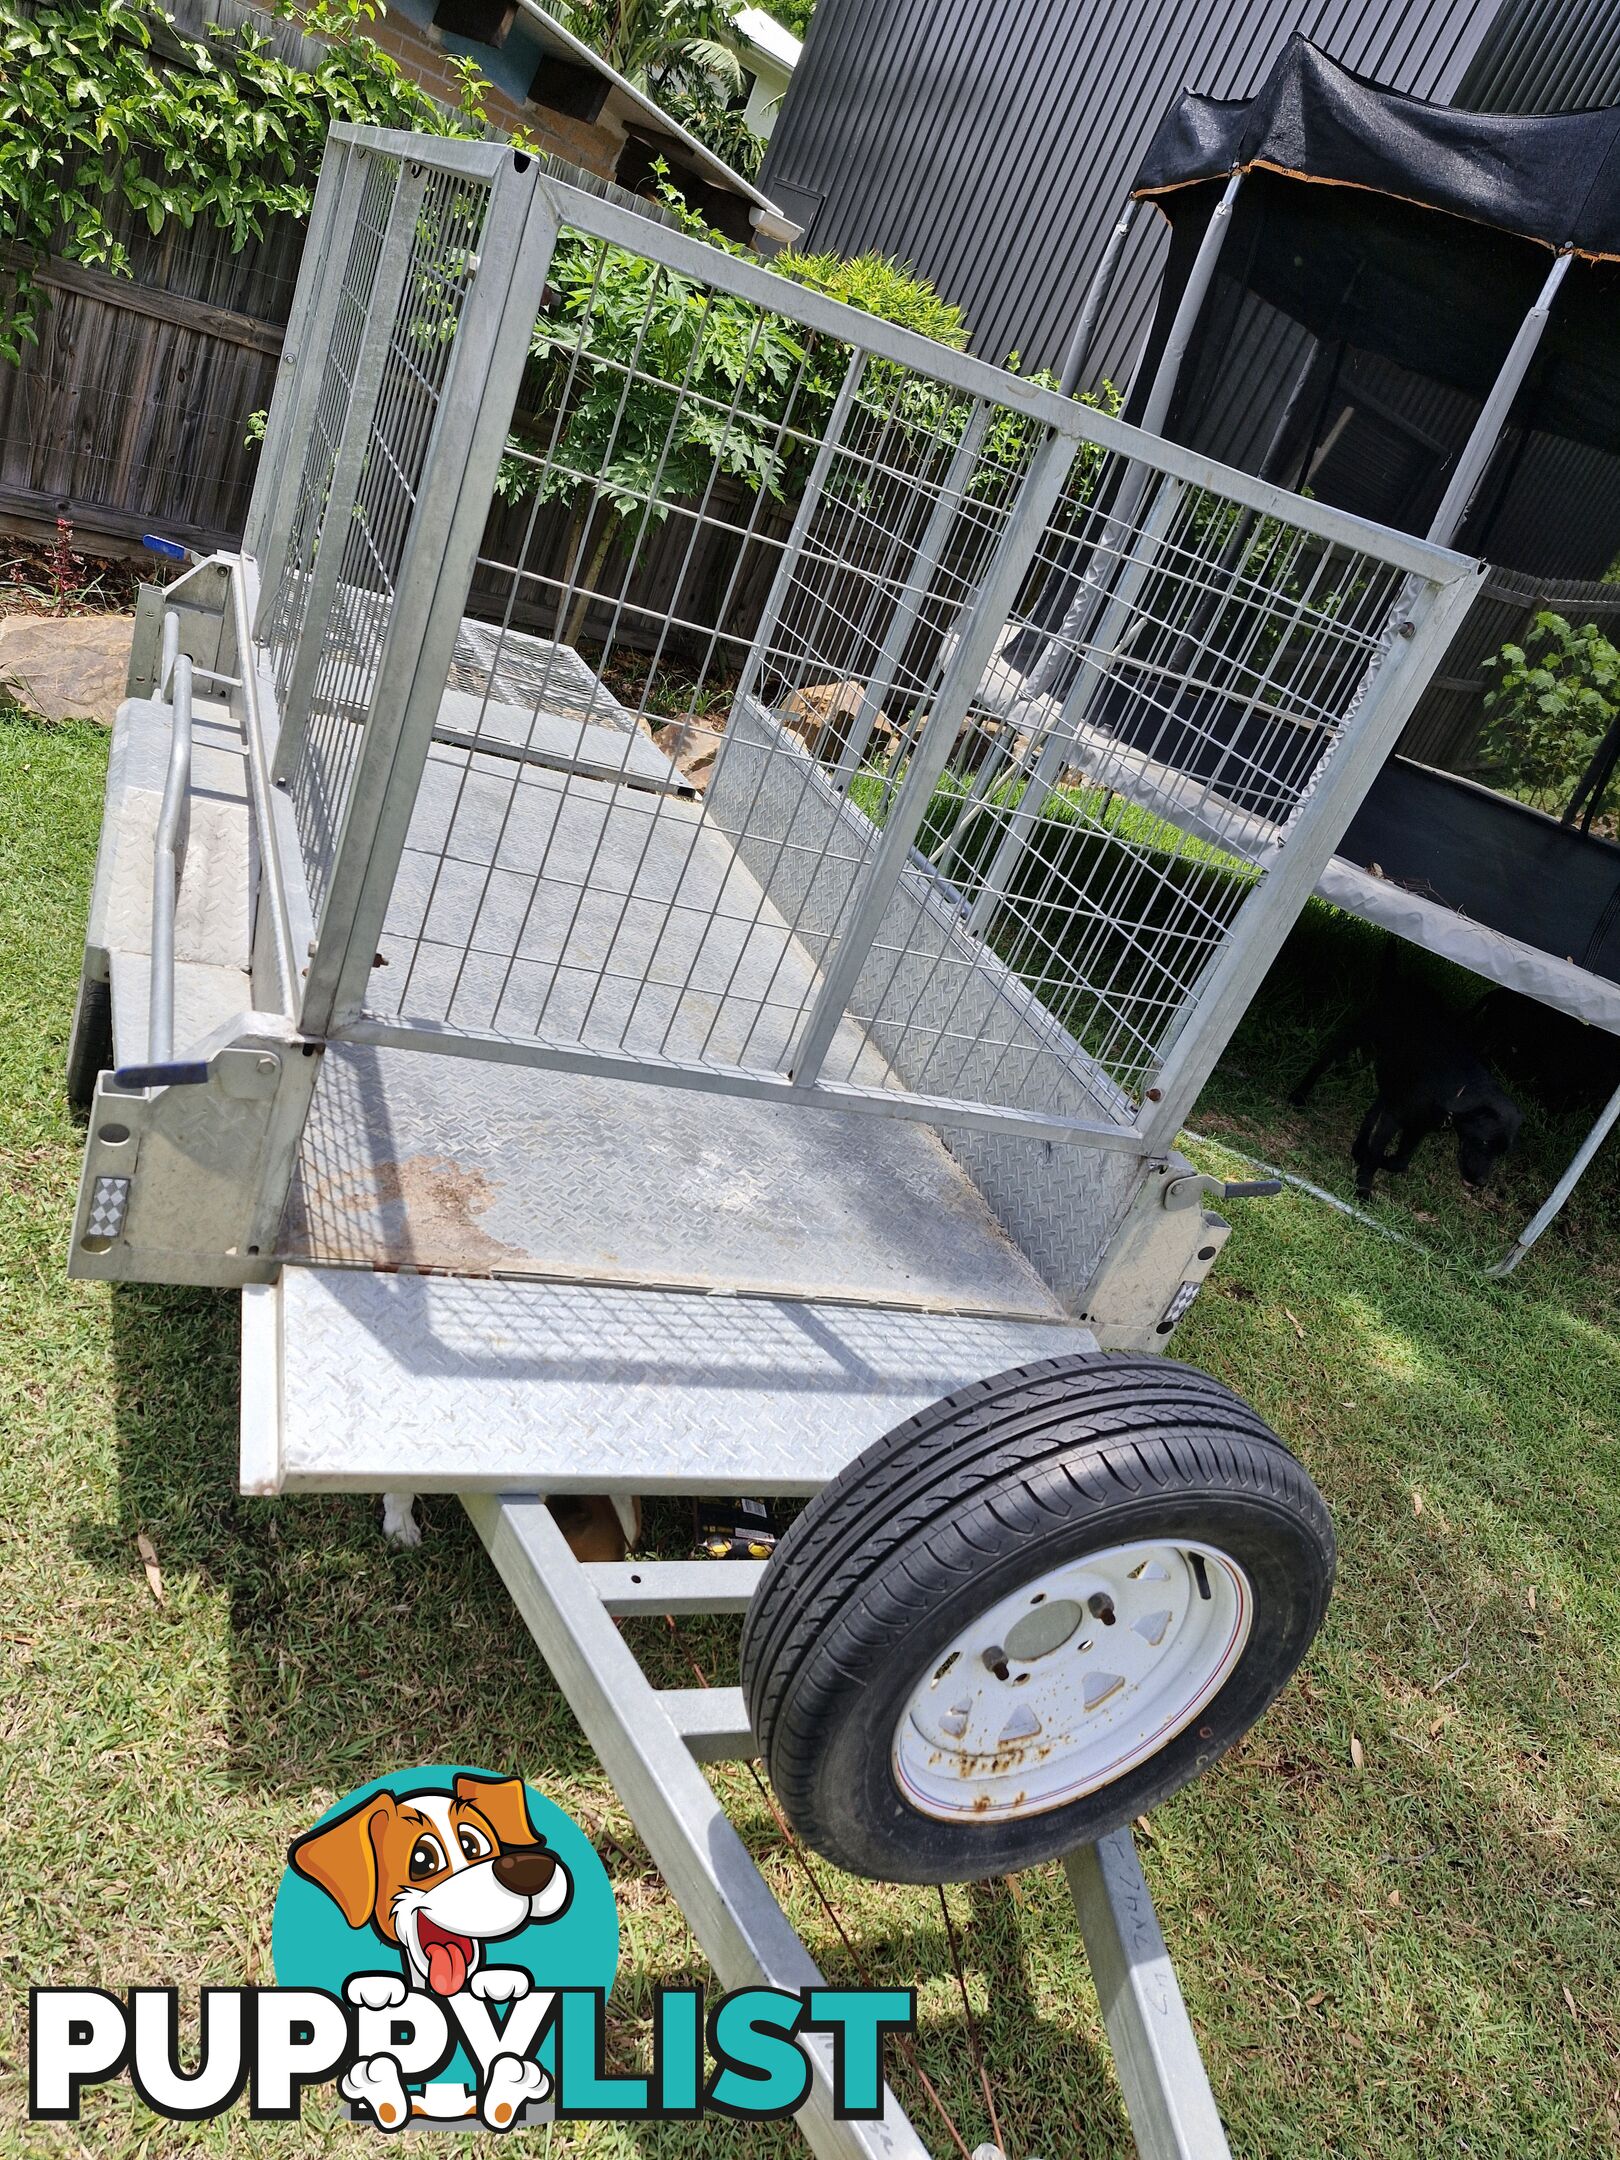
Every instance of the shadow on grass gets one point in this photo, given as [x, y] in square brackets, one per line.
[1486, 1721]
[347, 1657]
[1328, 972]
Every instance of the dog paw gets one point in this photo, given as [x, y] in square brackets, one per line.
[512, 2082]
[500, 1983]
[377, 2082]
[375, 1991]
[399, 1524]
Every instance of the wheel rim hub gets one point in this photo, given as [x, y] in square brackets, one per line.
[1069, 1682]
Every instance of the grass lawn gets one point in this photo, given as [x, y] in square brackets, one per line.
[1416, 1955]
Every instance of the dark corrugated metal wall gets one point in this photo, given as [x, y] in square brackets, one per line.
[1538, 57]
[989, 143]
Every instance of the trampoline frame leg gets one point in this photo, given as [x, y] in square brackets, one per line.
[1607, 1118]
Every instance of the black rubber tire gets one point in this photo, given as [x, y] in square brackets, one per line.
[959, 1507]
[90, 1048]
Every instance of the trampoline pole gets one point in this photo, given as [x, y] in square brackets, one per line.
[1118, 517]
[1607, 1118]
[1493, 414]
[1188, 309]
[1085, 330]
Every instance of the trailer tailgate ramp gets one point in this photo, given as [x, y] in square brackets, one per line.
[360, 1381]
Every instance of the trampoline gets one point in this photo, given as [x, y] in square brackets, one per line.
[1412, 312]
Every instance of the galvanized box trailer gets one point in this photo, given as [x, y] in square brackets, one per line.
[577, 1119]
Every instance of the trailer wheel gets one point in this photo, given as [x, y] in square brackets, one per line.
[1028, 1614]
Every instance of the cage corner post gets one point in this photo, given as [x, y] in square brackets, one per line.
[451, 503]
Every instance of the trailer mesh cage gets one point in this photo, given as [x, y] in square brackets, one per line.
[677, 673]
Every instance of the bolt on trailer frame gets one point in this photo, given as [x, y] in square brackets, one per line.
[577, 1118]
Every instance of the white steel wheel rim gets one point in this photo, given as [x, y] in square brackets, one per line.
[1071, 1681]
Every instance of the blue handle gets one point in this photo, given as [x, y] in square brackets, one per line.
[157, 545]
[193, 1073]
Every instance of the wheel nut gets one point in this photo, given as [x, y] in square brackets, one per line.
[1101, 1607]
[995, 1659]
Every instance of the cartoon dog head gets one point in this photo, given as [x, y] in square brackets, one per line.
[438, 1874]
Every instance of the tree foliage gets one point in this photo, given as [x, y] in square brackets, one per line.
[793, 15]
[658, 381]
[680, 52]
[645, 386]
[647, 40]
[105, 110]
[719, 123]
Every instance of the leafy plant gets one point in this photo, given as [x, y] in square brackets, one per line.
[642, 387]
[646, 385]
[719, 122]
[66, 567]
[1554, 698]
[884, 288]
[680, 52]
[651, 41]
[105, 110]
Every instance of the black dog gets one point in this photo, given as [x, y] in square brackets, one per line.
[1428, 1078]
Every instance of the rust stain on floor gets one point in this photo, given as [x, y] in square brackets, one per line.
[425, 1210]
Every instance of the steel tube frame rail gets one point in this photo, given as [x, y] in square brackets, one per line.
[527, 210]
[1161, 2073]
[352, 452]
[1128, 578]
[1037, 498]
[283, 901]
[651, 1743]
[168, 852]
[463, 454]
[1486, 432]
[1416, 643]
[308, 335]
[597, 218]
[1091, 307]
[734, 1915]
[924, 569]
[1114, 602]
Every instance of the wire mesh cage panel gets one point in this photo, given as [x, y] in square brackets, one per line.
[807, 708]
[401, 282]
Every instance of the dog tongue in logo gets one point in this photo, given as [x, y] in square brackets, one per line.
[448, 1956]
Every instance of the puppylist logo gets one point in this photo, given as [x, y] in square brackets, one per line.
[445, 1941]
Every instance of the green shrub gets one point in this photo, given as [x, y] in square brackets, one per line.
[1554, 699]
[660, 382]
[883, 288]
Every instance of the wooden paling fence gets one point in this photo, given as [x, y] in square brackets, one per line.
[131, 414]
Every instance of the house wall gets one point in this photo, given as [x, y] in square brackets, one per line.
[1542, 57]
[990, 143]
[767, 94]
[427, 56]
